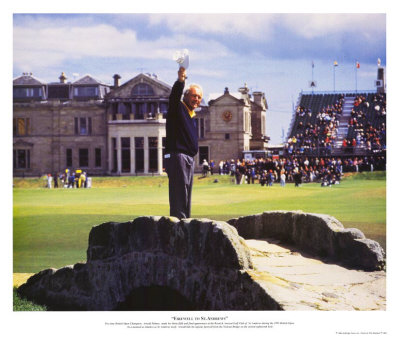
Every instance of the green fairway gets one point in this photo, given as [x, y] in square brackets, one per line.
[51, 227]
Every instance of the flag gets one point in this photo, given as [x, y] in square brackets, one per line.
[357, 64]
[335, 64]
[312, 64]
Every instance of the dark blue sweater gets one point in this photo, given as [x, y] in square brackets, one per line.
[180, 128]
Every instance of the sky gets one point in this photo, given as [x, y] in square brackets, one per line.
[271, 53]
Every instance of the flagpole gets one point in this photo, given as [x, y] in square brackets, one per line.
[312, 77]
[334, 80]
[356, 66]
[356, 79]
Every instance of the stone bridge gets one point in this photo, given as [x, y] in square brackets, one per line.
[270, 261]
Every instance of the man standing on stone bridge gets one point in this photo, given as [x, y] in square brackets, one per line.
[181, 144]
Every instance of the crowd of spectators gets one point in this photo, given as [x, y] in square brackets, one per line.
[66, 179]
[326, 170]
[315, 135]
[367, 123]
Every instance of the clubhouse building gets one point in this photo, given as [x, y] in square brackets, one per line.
[120, 129]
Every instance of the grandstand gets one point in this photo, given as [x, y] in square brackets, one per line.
[338, 124]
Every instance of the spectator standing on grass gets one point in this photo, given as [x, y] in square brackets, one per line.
[283, 178]
[62, 179]
[67, 174]
[49, 180]
[232, 167]
[221, 168]
[82, 180]
[55, 176]
[253, 175]
[297, 177]
[263, 178]
[205, 167]
[77, 176]
[86, 178]
[238, 176]
[270, 178]
[71, 180]
[212, 164]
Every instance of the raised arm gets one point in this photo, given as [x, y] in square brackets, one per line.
[177, 89]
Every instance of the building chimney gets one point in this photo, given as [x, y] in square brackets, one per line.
[259, 99]
[62, 78]
[116, 80]
[258, 96]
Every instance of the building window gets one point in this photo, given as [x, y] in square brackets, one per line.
[128, 111]
[203, 154]
[133, 110]
[153, 154]
[76, 126]
[83, 126]
[139, 109]
[125, 109]
[69, 157]
[83, 157]
[58, 92]
[139, 154]
[20, 93]
[114, 154]
[114, 108]
[126, 154]
[142, 89]
[227, 136]
[199, 127]
[201, 131]
[21, 126]
[152, 109]
[97, 157]
[83, 129]
[22, 159]
[90, 91]
[164, 109]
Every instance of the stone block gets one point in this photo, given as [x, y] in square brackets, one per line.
[318, 234]
[203, 264]
[192, 257]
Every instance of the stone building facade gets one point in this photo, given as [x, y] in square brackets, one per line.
[232, 123]
[136, 113]
[259, 140]
[120, 129]
[58, 125]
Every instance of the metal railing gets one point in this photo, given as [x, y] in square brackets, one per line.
[321, 151]
[339, 92]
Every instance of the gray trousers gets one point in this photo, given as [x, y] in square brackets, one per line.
[180, 169]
